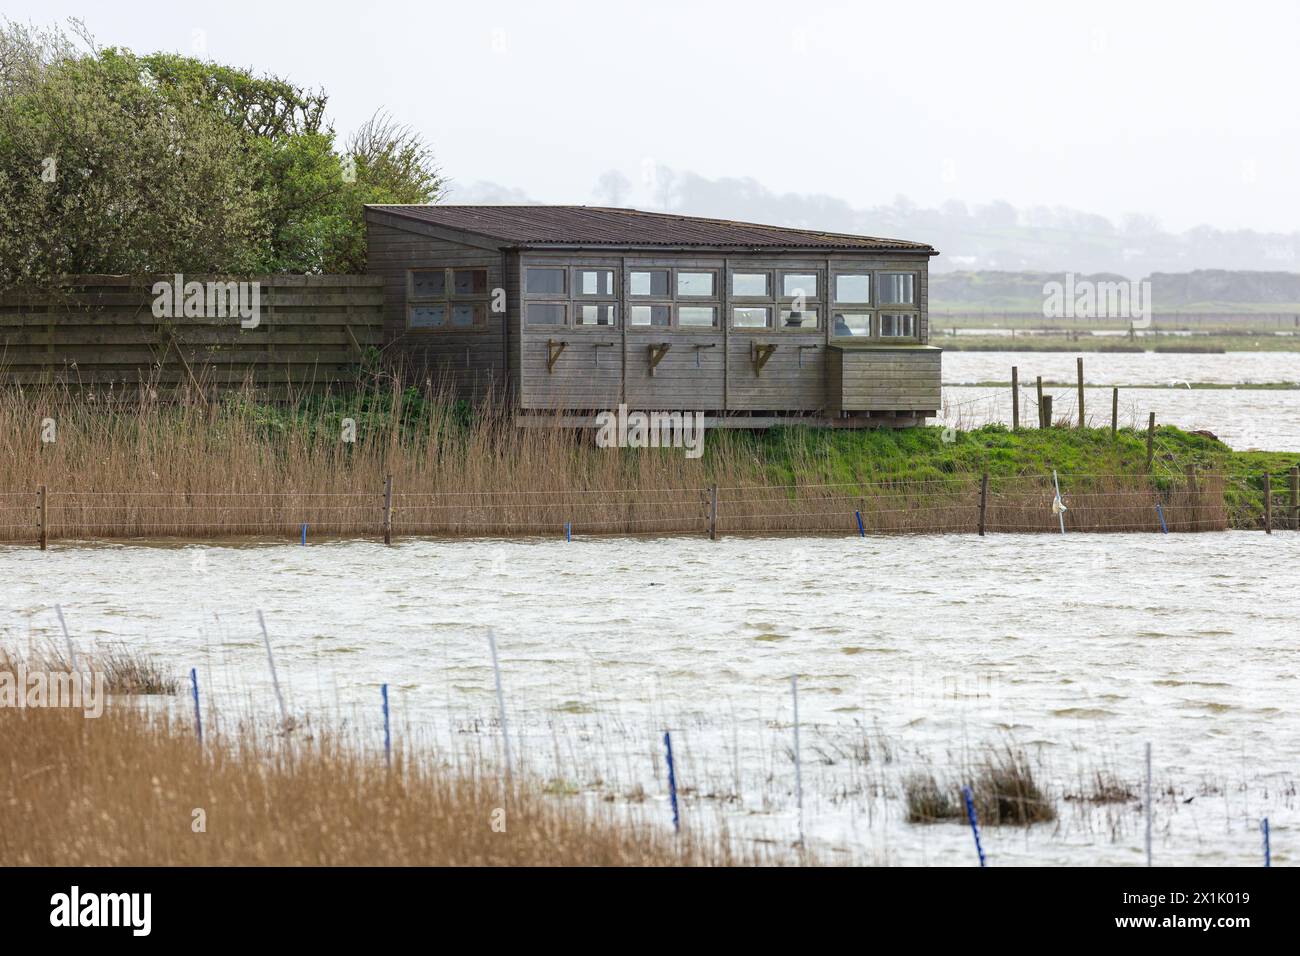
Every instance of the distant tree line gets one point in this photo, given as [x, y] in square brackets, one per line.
[114, 162]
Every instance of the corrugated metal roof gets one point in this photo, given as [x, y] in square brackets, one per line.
[531, 226]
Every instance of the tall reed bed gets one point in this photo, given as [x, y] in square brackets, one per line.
[146, 464]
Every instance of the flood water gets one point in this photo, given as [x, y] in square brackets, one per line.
[1124, 368]
[1245, 418]
[912, 653]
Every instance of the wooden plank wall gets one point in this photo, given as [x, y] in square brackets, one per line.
[706, 369]
[469, 362]
[101, 331]
[882, 379]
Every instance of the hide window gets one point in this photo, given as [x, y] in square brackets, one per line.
[649, 316]
[541, 281]
[593, 282]
[751, 317]
[440, 299]
[853, 288]
[651, 283]
[468, 315]
[426, 317]
[798, 319]
[544, 313]
[896, 288]
[602, 313]
[852, 323]
[695, 284]
[697, 316]
[751, 285]
[898, 325]
[427, 284]
[469, 281]
[796, 284]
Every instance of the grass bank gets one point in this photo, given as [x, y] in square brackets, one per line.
[145, 467]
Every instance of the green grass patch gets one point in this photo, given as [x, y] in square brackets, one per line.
[803, 455]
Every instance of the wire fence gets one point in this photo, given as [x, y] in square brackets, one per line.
[1029, 503]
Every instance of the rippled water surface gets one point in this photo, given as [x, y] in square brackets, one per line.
[1245, 418]
[913, 653]
[1267, 419]
[1123, 368]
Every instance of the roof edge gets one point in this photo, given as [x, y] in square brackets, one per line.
[496, 241]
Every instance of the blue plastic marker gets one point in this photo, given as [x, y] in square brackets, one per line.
[1161, 512]
[974, 824]
[672, 781]
[1268, 855]
[862, 532]
[388, 739]
[304, 533]
[568, 531]
[198, 719]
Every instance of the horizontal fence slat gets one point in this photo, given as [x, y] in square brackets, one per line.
[93, 330]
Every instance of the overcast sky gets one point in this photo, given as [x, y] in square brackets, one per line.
[1184, 111]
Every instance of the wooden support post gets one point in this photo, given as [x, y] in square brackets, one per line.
[1042, 422]
[1015, 398]
[42, 515]
[1151, 437]
[1080, 366]
[553, 351]
[388, 510]
[1268, 505]
[1194, 499]
[1114, 412]
[656, 353]
[984, 500]
[713, 512]
[1047, 411]
[1295, 498]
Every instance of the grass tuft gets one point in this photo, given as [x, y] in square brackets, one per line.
[125, 671]
[1003, 787]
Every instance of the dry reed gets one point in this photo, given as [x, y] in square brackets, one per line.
[123, 670]
[135, 465]
[130, 789]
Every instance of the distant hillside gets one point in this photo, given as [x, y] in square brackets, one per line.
[984, 237]
[1208, 286]
[1203, 290]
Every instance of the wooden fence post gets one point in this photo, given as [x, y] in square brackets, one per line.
[1080, 366]
[42, 516]
[388, 509]
[1151, 436]
[1114, 412]
[713, 512]
[1015, 398]
[1194, 499]
[1047, 411]
[1268, 505]
[1295, 497]
[984, 500]
[1042, 421]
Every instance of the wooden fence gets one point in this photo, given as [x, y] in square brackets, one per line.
[1017, 504]
[309, 333]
